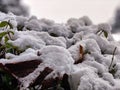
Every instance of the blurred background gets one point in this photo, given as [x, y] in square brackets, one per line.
[61, 10]
[99, 11]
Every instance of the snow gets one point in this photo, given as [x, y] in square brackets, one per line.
[13, 6]
[32, 24]
[59, 47]
[53, 57]
[58, 56]
[9, 17]
[60, 30]
[35, 40]
[104, 26]
[89, 45]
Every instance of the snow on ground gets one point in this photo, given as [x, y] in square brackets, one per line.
[59, 47]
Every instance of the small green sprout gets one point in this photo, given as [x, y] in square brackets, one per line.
[6, 24]
[6, 36]
[102, 31]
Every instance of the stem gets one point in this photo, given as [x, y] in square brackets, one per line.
[112, 58]
[6, 27]
[9, 36]
[8, 31]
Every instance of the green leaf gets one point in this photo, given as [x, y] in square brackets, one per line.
[2, 34]
[3, 24]
[9, 45]
[6, 39]
[9, 48]
[105, 34]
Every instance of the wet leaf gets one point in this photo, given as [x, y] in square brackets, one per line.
[42, 76]
[21, 69]
[2, 34]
